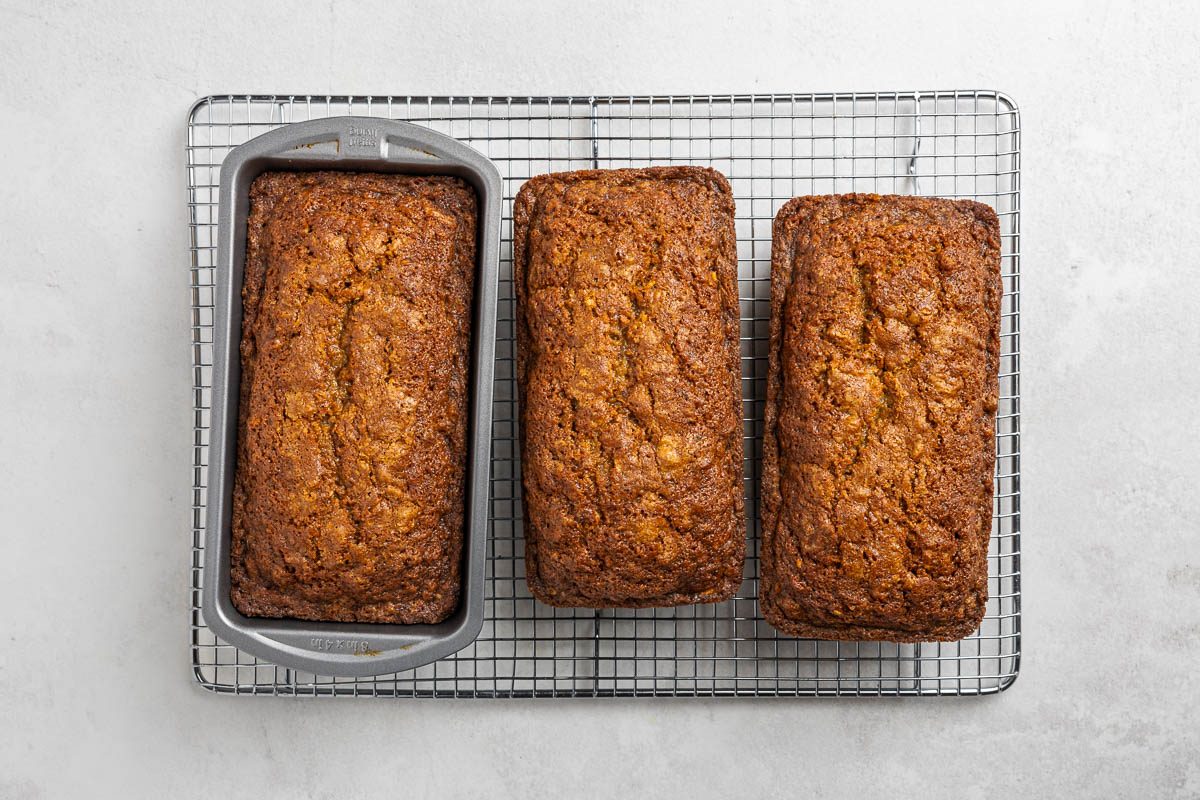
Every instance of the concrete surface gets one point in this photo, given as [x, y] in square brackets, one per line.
[96, 697]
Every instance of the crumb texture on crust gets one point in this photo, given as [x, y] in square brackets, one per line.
[348, 497]
[629, 368]
[878, 450]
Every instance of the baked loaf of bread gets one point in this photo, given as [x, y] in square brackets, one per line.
[878, 450]
[348, 497]
[629, 371]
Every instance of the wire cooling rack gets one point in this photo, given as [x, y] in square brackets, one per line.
[954, 144]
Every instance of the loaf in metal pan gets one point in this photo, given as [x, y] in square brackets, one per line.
[348, 495]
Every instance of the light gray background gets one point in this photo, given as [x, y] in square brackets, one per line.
[96, 695]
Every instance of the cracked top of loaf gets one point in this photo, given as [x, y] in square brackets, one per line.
[628, 360]
[348, 495]
[878, 448]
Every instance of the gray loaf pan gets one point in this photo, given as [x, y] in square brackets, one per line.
[365, 145]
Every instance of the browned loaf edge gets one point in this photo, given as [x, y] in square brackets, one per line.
[629, 373]
[348, 496]
[878, 447]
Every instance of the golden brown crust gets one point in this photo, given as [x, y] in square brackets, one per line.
[628, 363]
[878, 447]
[348, 496]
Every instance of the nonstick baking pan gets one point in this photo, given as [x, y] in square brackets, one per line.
[358, 144]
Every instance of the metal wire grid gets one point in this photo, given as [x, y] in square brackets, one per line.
[952, 144]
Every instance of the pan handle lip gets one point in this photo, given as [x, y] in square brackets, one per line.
[354, 650]
[387, 141]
